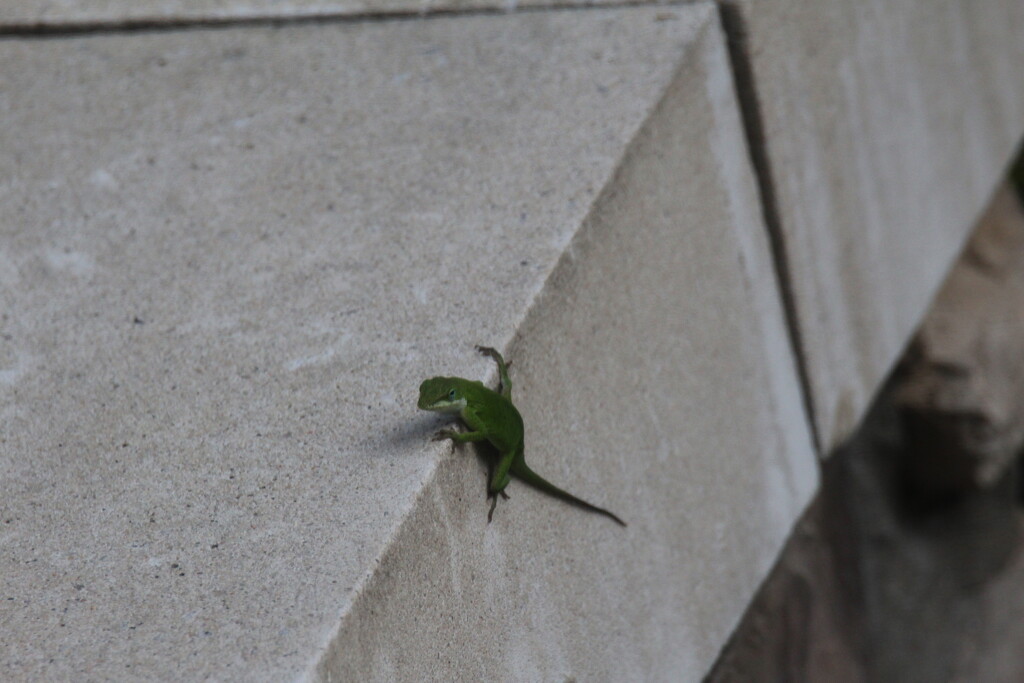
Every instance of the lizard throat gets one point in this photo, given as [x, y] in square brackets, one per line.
[448, 407]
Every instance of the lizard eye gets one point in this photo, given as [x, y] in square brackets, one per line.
[451, 395]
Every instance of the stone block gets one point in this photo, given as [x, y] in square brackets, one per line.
[229, 256]
[655, 378]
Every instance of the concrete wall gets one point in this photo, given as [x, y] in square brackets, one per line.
[228, 257]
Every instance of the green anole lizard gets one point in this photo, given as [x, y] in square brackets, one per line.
[490, 416]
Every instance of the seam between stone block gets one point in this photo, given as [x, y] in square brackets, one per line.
[753, 127]
[145, 24]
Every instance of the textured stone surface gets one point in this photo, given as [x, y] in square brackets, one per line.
[887, 126]
[961, 387]
[655, 378]
[228, 257]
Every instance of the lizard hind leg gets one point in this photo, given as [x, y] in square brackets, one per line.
[494, 503]
[504, 382]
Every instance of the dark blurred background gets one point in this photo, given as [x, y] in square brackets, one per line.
[908, 565]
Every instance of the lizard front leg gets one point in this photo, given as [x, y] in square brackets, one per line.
[459, 437]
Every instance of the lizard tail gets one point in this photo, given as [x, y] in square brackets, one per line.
[521, 470]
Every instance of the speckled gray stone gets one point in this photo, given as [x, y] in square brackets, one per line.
[654, 376]
[228, 257]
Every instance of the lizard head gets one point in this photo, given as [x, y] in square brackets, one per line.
[442, 395]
